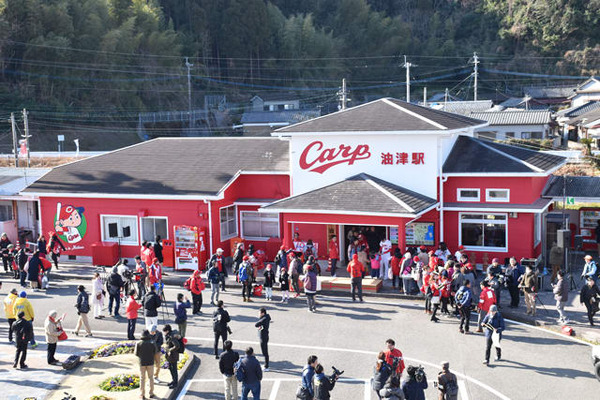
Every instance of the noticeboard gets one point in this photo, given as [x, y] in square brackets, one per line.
[420, 233]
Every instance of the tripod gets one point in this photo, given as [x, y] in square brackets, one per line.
[542, 304]
[571, 261]
[163, 302]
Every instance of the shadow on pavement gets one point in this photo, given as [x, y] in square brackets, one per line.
[549, 371]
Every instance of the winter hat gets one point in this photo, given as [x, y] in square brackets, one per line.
[154, 260]
[416, 259]
[422, 248]
[445, 365]
[461, 247]
[14, 291]
[219, 250]
[354, 257]
[246, 258]
[493, 308]
[23, 294]
[153, 328]
[282, 248]
[496, 260]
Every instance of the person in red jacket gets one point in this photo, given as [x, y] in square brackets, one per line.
[155, 276]
[195, 285]
[395, 263]
[334, 254]
[433, 260]
[434, 285]
[393, 353]
[356, 270]
[131, 312]
[487, 298]
[445, 282]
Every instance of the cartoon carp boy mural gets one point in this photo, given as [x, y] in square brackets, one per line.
[70, 223]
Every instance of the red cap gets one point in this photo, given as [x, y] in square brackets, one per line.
[461, 247]
[246, 258]
[423, 248]
[282, 247]
[154, 260]
[497, 260]
[416, 259]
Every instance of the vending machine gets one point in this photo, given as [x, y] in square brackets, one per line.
[186, 247]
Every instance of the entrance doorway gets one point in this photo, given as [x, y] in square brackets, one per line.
[373, 236]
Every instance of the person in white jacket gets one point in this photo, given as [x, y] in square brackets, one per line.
[97, 296]
[385, 246]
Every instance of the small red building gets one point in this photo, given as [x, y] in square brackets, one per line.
[418, 175]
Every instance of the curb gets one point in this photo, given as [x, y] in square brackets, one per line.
[184, 375]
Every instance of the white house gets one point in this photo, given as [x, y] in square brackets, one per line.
[587, 91]
[523, 124]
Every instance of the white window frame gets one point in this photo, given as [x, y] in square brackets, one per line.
[141, 230]
[483, 248]
[497, 200]
[537, 229]
[262, 215]
[10, 214]
[460, 198]
[235, 214]
[122, 241]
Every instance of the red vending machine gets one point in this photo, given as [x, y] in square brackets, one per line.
[187, 247]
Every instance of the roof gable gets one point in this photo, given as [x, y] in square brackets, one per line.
[361, 193]
[383, 115]
[167, 167]
[475, 156]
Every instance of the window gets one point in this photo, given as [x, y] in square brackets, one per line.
[537, 229]
[467, 194]
[497, 195]
[6, 212]
[510, 134]
[152, 226]
[228, 218]
[483, 231]
[120, 227]
[259, 225]
[486, 135]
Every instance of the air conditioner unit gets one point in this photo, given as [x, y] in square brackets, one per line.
[513, 215]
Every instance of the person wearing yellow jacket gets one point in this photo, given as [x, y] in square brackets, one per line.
[9, 303]
[23, 304]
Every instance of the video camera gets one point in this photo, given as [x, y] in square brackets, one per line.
[336, 373]
[395, 362]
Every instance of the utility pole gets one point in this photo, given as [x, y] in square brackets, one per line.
[446, 94]
[425, 96]
[407, 65]
[26, 125]
[189, 81]
[13, 124]
[475, 62]
[343, 95]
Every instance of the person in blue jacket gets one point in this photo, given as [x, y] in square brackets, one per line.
[493, 322]
[464, 299]
[308, 373]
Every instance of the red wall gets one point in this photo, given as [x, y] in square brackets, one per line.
[533, 185]
[187, 212]
[248, 187]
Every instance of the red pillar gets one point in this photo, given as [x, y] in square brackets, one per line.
[402, 235]
[287, 232]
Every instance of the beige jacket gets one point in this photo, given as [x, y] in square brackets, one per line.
[52, 331]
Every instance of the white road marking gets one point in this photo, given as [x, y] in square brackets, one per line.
[462, 390]
[184, 390]
[367, 389]
[274, 390]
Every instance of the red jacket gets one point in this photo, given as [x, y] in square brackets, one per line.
[334, 250]
[395, 266]
[487, 298]
[154, 274]
[131, 312]
[389, 358]
[445, 287]
[195, 284]
[355, 267]
[435, 288]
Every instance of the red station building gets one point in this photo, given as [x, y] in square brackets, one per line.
[418, 175]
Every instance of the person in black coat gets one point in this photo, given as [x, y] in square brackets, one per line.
[23, 333]
[21, 259]
[158, 249]
[263, 324]
[323, 384]
[589, 296]
[4, 242]
[227, 361]
[114, 285]
[33, 272]
[220, 320]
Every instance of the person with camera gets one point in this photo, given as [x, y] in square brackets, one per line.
[494, 324]
[447, 383]
[180, 312]
[220, 328]
[114, 285]
[324, 384]
[414, 387]
[381, 373]
[392, 389]
[512, 275]
[306, 389]
[464, 300]
[528, 284]
[172, 347]
[394, 357]
[151, 304]
[263, 324]
[141, 274]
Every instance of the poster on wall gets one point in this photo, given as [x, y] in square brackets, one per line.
[420, 233]
[394, 234]
[70, 225]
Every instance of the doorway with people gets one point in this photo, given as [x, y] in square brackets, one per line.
[372, 234]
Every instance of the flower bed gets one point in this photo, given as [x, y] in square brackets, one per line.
[121, 383]
[101, 397]
[128, 347]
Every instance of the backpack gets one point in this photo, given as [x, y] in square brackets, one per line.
[85, 305]
[179, 339]
[459, 295]
[244, 272]
[451, 390]
[238, 369]
[187, 284]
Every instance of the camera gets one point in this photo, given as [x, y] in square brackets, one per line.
[336, 372]
[395, 362]
[418, 373]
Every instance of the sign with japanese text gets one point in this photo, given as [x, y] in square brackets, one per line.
[409, 161]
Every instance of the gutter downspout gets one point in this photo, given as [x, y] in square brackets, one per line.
[210, 232]
[441, 189]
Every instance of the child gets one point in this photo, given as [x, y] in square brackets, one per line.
[396, 267]
[284, 279]
[269, 280]
[375, 265]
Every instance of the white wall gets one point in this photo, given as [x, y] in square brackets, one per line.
[419, 178]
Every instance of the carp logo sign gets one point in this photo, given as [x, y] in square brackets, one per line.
[316, 158]
[70, 223]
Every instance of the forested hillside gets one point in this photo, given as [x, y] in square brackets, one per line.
[88, 64]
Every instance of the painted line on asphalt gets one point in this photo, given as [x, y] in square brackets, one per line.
[274, 390]
[462, 390]
[184, 390]
[367, 389]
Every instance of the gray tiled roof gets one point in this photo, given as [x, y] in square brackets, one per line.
[545, 92]
[384, 115]
[359, 193]
[465, 107]
[590, 116]
[167, 166]
[573, 112]
[289, 116]
[470, 155]
[574, 186]
[523, 117]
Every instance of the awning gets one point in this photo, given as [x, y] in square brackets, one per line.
[358, 195]
[538, 206]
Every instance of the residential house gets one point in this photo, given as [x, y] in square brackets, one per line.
[587, 91]
[518, 124]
